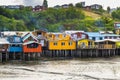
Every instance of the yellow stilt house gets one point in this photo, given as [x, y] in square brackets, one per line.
[62, 45]
[85, 43]
[60, 41]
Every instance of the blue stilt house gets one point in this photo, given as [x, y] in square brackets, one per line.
[15, 45]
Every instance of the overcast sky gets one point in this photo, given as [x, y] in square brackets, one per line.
[51, 3]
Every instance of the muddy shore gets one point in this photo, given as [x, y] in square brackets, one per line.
[75, 69]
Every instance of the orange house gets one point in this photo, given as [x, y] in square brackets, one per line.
[32, 47]
[31, 44]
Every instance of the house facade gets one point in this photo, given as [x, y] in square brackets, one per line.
[3, 45]
[31, 44]
[78, 36]
[96, 6]
[85, 43]
[59, 41]
[101, 36]
[106, 44]
[65, 6]
[15, 45]
[41, 37]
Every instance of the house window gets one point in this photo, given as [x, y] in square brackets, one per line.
[17, 39]
[64, 35]
[15, 45]
[89, 43]
[57, 35]
[50, 35]
[11, 39]
[55, 43]
[93, 38]
[39, 33]
[110, 37]
[100, 38]
[106, 37]
[33, 45]
[62, 43]
[115, 37]
[70, 43]
[30, 39]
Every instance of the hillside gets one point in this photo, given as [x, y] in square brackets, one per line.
[54, 20]
[92, 14]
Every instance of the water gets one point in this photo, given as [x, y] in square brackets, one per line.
[75, 69]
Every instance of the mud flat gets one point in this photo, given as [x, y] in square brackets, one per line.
[75, 69]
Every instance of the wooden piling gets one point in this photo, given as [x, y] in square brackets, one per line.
[1, 57]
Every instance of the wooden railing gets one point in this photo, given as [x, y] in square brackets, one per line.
[85, 47]
[107, 46]
[101, 46]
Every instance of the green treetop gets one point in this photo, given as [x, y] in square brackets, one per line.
[45, 4]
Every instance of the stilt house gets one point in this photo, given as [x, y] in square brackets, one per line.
[31, 44]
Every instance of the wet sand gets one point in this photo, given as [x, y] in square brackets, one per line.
[75, 69]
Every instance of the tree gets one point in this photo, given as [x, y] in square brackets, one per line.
[45, 4]
[116, 14]
[108, 9]
[101, 9]
[78, 5]
[108, 22]
[71, 5]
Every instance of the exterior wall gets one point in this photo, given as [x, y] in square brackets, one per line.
[79, 35]
[117, 44]
[3, 48]
[86, 43]
[59, 45]
[15, 49]
[103, 37]
[14, 44]
[50, 36]
[58, 36]
[96, 37]
[37, 32]
[66, 37]
[43, 43]
[32, 50]
[96, 6]
[15, 39]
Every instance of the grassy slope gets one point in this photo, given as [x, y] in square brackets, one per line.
[91, 14]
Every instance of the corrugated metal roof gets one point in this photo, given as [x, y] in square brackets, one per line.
[72, 31]
[30, 42]
[112, 40]
[93, 34]
[27, 35]
[4, 41]
[9, 33]
[99, 34]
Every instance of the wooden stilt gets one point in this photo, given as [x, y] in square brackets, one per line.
[91, 53]
[28, 56]
[21, 56]
[6, 56]
[14, 56]
[33, 56]
[109, 53]
[0, 57]
[65, 53]
[114, 51]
